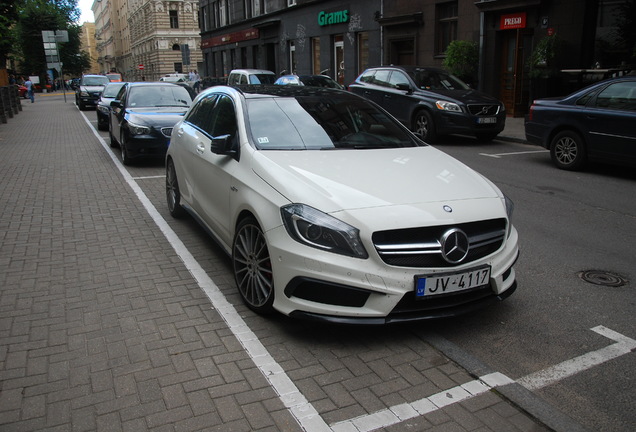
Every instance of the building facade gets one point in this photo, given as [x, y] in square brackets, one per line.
[290, 36]
[88, 45]
[341, 39]
[147, 39]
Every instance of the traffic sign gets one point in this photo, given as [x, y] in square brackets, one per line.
[140, 67]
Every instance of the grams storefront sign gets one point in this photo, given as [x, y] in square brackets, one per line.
[328, 18]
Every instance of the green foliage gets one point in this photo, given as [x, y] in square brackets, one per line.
[462, 59]
[24, 31]
[541, 58]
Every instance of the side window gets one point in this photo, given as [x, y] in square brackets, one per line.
[201, 114]
[232, 80]
[618, 96]
[224, 117]
[367, 77]
[382, 78]
[243, 80]
[396, 78]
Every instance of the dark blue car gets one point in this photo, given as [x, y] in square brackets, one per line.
[597, 123]
[142, 116]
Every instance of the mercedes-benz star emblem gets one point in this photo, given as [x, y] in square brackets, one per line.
[455, 245]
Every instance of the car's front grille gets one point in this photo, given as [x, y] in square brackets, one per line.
[483, 109]
[421, 247]
[167, 131]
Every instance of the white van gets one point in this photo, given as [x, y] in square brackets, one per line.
[251, 76]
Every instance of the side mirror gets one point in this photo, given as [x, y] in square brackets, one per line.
[224, 145]
[115, 104]
[404, 87]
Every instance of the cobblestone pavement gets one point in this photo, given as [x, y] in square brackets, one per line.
[104, 325]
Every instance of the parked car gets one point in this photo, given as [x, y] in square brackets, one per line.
[308, 80]
[307, 189]
[89, 90]
[595, 123]
[142, 116]
[23, 92]
[175, 78]
[250, 76]
[103, 104]
[432, 102]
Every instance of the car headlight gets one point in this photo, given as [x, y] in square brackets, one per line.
[136, 129]
[84, 93]
[447, 106]
[103, 109]
[510, 206]
[314, 228]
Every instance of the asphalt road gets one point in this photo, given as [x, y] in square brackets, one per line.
[568, 223]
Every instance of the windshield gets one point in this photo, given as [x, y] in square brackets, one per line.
[111, 90]
[437, 80]
[262, 78]
[159, 96]
[323, 122]
[95, 81]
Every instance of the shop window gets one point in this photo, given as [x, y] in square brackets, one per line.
[446, 31]
[174, 19]
[178, 67]
[292, 57]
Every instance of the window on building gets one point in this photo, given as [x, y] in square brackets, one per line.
[223, 13]
[178, 67]
[363, 51]
[291, 3]
[203, 18]
[446, 31]
[174, 19]
[257, 7]
[315, 55]
[292, 57]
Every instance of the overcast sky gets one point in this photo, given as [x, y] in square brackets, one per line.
[87, 13]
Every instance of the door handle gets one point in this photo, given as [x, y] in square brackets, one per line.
[200, 148]
[180, 132]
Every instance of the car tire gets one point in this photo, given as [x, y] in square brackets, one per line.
[567, 150]
[173, 194]
[101, 126]
[113, 143]
[125, 157]
[82, 107]
[252, 267]
[424, 127]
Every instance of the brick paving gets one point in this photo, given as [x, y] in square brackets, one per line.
[103, 327]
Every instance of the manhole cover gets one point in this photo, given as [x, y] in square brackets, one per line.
[600, 277]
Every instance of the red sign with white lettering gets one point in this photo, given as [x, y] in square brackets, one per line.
[513, 21]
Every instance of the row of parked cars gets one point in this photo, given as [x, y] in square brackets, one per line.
[304, 188]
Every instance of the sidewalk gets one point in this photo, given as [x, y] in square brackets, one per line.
[103, 327]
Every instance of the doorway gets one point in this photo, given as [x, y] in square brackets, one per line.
[514, 91]
[338, 53]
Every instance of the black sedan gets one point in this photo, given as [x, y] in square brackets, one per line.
[595, 123]
[142, 116]
[103, 104]
[432, 102]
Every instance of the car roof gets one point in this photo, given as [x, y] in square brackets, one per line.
[408, 68]
[253, 71]
[272, 90]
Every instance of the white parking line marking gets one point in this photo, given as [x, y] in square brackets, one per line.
[303, 411]
[623, 345]
[499, 155]
[149, 177]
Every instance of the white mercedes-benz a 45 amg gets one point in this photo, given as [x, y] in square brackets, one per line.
[332, 210]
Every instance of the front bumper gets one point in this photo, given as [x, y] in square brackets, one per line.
[462, 123]
[317, 285]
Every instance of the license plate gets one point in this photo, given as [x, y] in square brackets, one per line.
[486, 120]
[430, 285]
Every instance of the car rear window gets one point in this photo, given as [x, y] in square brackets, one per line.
[323, 123]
